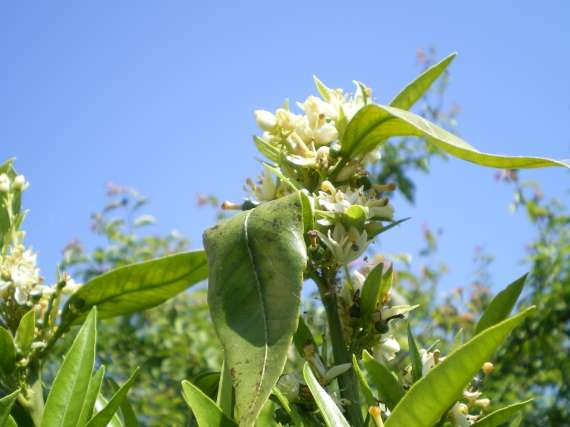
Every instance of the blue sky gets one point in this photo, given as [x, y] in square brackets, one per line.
[159, 96]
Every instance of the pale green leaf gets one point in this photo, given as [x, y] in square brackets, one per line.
[225, 398]
[501, 416]
[68, 391]
[430, 397]
[15, 207]
[364, 386]
[373, 124]
[376, 285]
[205, 410]
[389, 388]
[127, 411]
[414, 356]
[91, 396]
[329, 411]
[138, 286]
[256, 261]
[419, 86]
[324, 91]
[502, 305]
[25, 332]
[103, 417]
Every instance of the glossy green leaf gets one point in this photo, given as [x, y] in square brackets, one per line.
[127, 411]
[364, 386]
[265, 148]
[501, 416]
[6, 404]
[428, 399]
[101, 403]
[25, 332]
[414, 356]
[377, 284]
[91, 396]
[303, 337]
[517, 420]
[419, 86]
[388, 386]
[329, 411]
[373, 124]
[208, 382]
[7, 351]
[102, 418]
[205, 410]
[502, 305]
[138, 286]
[10, 422]
[256, 261]
[68, 391]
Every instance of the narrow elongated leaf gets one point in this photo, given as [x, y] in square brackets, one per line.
[68, 391]
[256, 261]
[388, 386]
[303, 337]
[501, 416]
[129, 416]
[138, 286]
[10, 422]
[428, 399]
[377, 284]
[25, 332]
[502, 305]
[373, 124]
[101, 403]
[419, 86]
[330, 412]
[6, 404]
[7, 351]
[205, 410]
[414, 356]
[225, 398]
[517, 420]
[102, 418]
[91, 396]
[366, 390]
[5, 225]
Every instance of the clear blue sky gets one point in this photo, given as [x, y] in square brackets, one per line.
[159, 95]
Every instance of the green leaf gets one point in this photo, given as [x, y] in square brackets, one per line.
[129, 416]
[373, 124]
[502, 305]
[256, 261]
[265, 148]
[10, 422]
[417, 88]
[330, 412]
[102, 418]
[414, 356]
[6, 404]
[376, 285]
[101, 403]
[355, 216]
[137, 287]
[208, 382]
[25, 332]
[517, 420]
[91, 396]
[323, 90]
[68, 391]
[387, 384]
[205, 410]
[364, 386]
[225, 398]
[7, 351]
[501, 416]
[430, 397]
[303, 337]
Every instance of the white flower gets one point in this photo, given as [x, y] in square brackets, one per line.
[4, 183]
[459, 415]
[267, 188]
[429, 360]
[286, 119]
[345, 246]
[20, 273]
[386, 348]
[20, 183]
[265, 120]
[358, 280]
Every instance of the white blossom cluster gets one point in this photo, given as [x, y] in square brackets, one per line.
[19, 183]
[302, 147]
[19, 274]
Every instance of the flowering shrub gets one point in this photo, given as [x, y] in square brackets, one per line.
[311, 215]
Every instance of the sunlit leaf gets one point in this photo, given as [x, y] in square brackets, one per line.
[91, 396]
[502, 305]
[329, 411]
[430, 397]
[501, 416]
[138, 286]
[387, 385]
[205, 410]
[256, 261]
[25, 332]
[68, 391]
[6, 404]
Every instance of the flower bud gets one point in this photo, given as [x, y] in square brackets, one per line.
[265, 120]
[4, 183]
[20, 183]
[487, 368]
